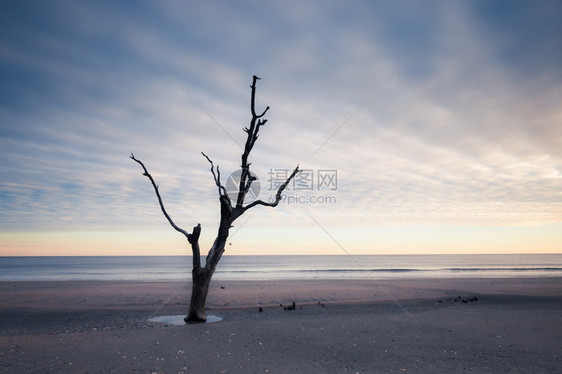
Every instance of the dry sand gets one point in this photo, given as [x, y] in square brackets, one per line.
[338, 326]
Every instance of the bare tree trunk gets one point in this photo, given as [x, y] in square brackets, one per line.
[199, 290]
[201, 277]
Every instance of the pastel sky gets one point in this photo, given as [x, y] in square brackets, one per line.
[442, 120]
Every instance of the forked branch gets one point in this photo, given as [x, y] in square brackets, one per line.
[278, 195]
[252, 132]
[217, 177]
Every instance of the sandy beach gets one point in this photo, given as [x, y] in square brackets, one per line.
[339, 326]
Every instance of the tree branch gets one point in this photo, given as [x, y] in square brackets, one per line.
[252, 132]
[217, 178]
[147, 174]
[277, 195]
[194, 241]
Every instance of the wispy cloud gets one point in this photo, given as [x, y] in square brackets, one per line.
[466, 133]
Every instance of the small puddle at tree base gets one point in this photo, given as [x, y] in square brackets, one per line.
[178, 319]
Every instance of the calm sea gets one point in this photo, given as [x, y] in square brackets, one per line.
[155, 268]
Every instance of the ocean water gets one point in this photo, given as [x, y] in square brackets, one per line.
[163, 268]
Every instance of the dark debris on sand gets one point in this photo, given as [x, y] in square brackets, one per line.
[459, 299]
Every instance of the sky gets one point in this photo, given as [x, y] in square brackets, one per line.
[421, 127]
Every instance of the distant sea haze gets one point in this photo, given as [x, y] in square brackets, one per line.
[174, 268]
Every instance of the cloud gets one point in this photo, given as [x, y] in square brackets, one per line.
[466, 132]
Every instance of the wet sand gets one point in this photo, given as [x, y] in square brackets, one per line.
[338, 326]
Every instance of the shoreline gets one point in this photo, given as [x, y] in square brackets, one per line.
[338, 326]
[130, 295]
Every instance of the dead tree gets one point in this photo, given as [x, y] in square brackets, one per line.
[229, 212]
